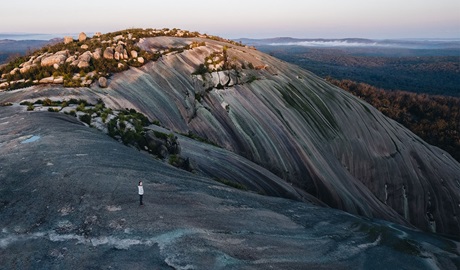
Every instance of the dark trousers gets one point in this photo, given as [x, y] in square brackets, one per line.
[140, 200]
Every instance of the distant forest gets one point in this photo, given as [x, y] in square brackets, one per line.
[435, 119]
[10, 49]
[435, 72]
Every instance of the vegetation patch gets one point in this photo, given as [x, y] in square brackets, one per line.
[126, 126]
[195, 137]
[231, 184]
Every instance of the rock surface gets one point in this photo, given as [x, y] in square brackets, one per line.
[61, 204]
[301, 129]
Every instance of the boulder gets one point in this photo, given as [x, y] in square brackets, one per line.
[97, 34]
[37, 60]
[133, 54]
[47, 80]
[87, 82]
[116, 55]
[27, 68]
[102, 82]
[108, 53]
[71, 59]
[68, 40]
[84, 47]
[24, 69]
[119, 48]
[221, 79]
[82, 37]
[140, 60]
[58, 80]
[86, 56]
[83, 64]
[4, 85]
[120, 65]
[14, 71]
[97, 53]
[63, 52]
[125, 54]
[118, 38]
[56, 66]
[53, 59]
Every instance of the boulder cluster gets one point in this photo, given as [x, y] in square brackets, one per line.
[82, 61]
[115, 48]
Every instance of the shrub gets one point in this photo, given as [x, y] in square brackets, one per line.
[81, 107]
[201, 70]
[104, 116]
[86, 118]
[47, 102]
[231, 183]
[131, 137]
[112, 128]
[174, 160]
[121, 125]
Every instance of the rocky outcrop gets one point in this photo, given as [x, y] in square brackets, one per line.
[57, 58]
[84, 59]
[27, 66]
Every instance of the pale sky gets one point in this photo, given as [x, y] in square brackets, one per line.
[240, 18]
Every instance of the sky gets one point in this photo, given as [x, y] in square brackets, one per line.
[240, 18]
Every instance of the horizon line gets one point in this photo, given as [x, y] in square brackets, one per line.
[61, 35]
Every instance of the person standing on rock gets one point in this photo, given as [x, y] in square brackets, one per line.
[141, 192]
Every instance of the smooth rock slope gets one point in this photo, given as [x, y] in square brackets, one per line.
[68, 200]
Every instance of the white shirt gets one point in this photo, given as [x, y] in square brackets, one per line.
[141, 190]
